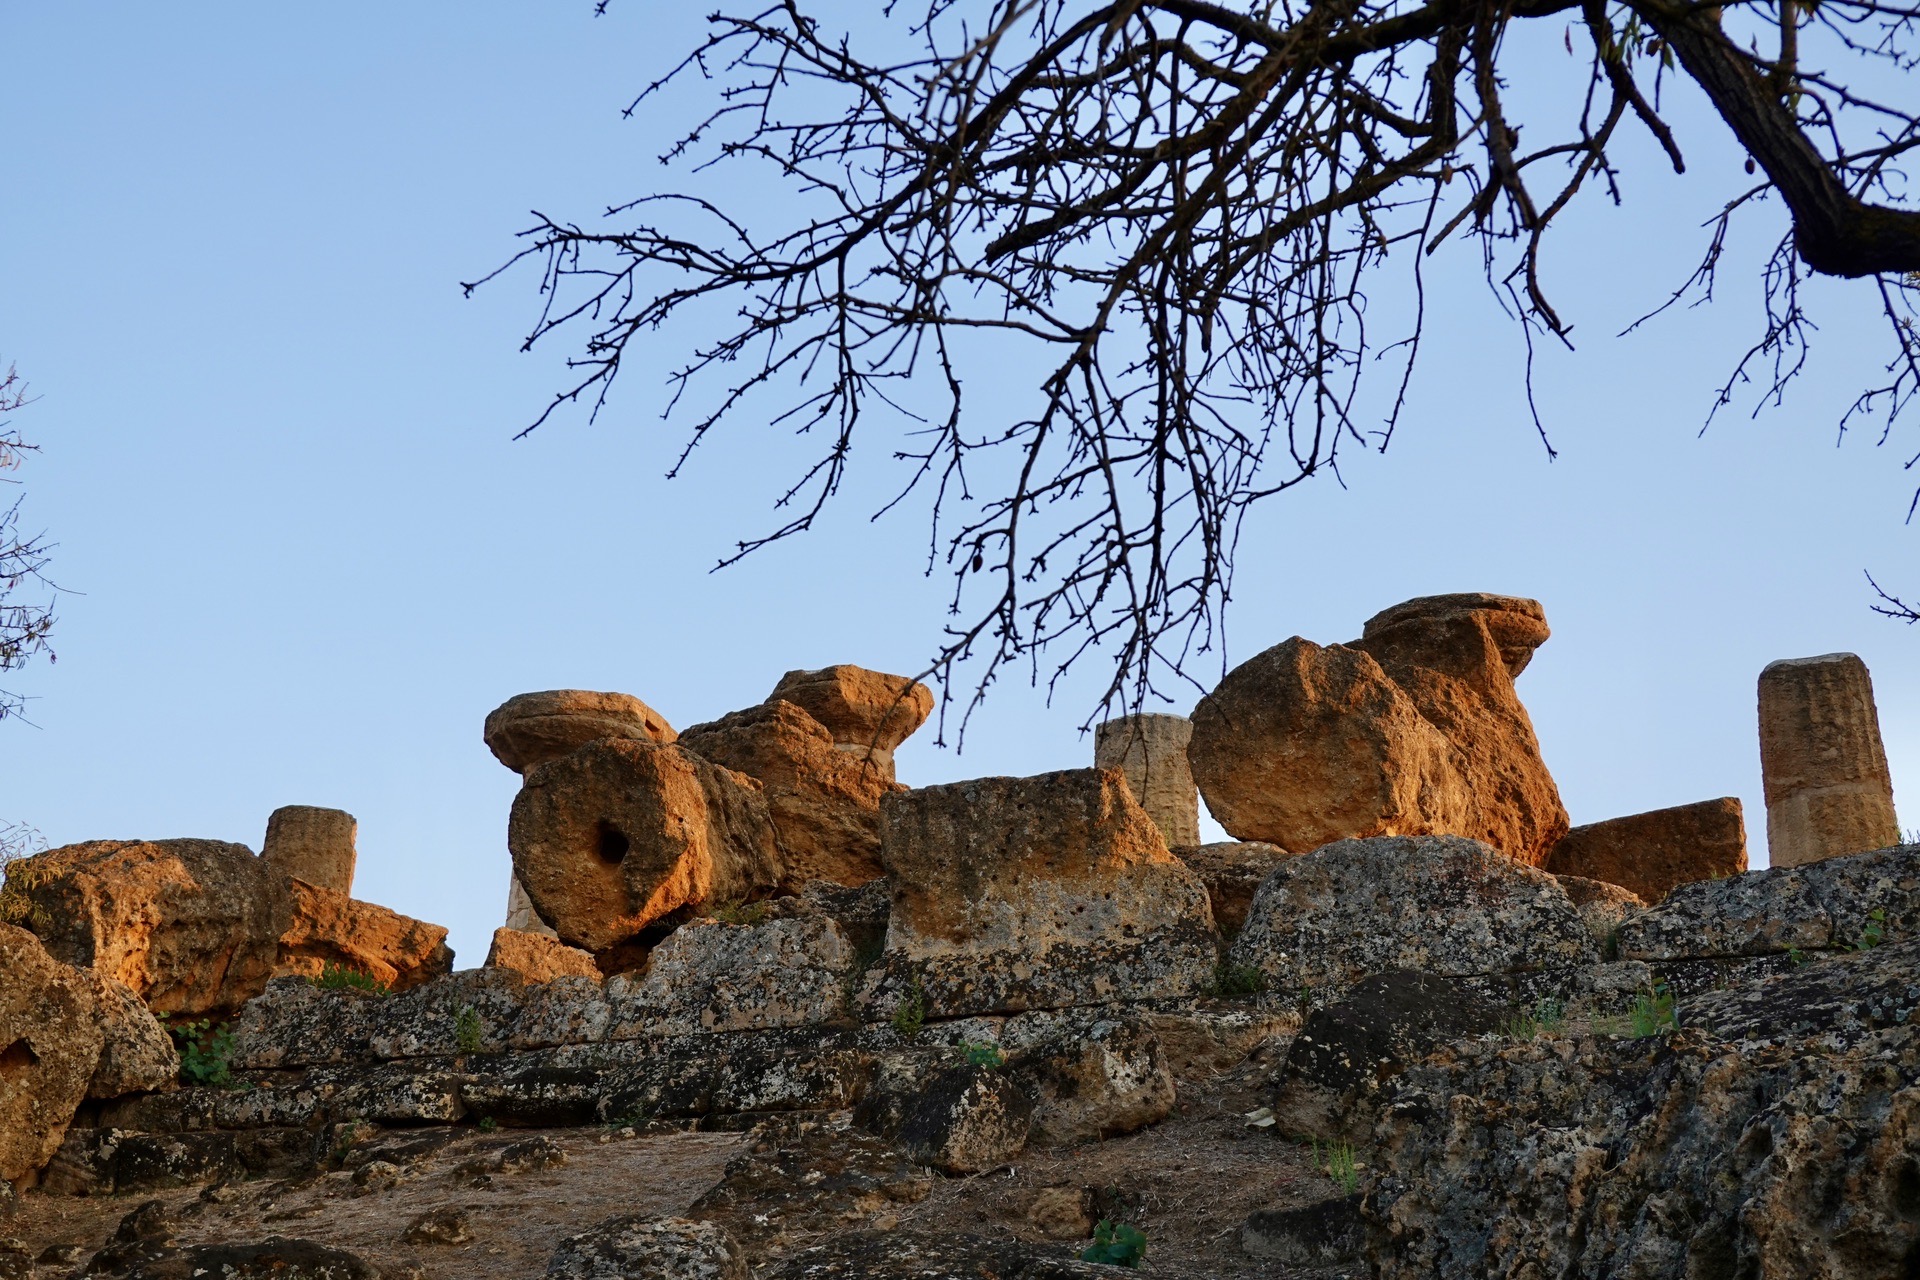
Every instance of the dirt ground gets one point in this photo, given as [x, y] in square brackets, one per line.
[1188, 1183]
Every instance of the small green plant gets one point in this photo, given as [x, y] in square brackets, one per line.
[1338, 1163]
[467, 1030]
[983, 1055]
[1303, 1001]
[1236, 980]
[19, 875]
[1875, 932]
[1546, 1019]
[911, 1013]
[743, 913]
[335, 977]
[1116, 1244]
[487, 1124]
[345, 1140]
[206, 1053]
[1652, 1012]
[1796, 957]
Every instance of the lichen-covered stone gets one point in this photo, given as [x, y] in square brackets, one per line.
[532, 728]
[1605, 907]
[1100, 1079]
[710, 976]
[1044, 892]
[1233, 871]
[923, 1255]
[1349, 1051]
[276, 1258]
[619, 834]
[1436, 904]
[958, 1117]
[824, 802]
[49, 1046]
[1785, 1157]
[136, 1053]
[642, 1247]
[1822, 905]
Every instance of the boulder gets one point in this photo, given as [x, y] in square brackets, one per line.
[276, 1258]
[1649, 853]
[1232, 870]
[49, 1047]
[936, 1254]
[1151, 750]
[637, 1246]
[326, 927]
[1604, 907]
[1043, 892]
[824, 802]
[539, 958]
[1822, 763]
[1323, 1234]
[1436, 904]
[1835, 904]
[1710, 1151]
[620, 834]
[1350, 1051]
[1098, 1081]
[312, 844]
[710, 976]
[957, 1117]
[1413, 729]
[532, 728]
[136, 1053]
[868, 713]
[192, 926]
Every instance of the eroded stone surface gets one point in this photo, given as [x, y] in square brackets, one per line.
[711, 976]
[49, 1046]
[313, 844]
[619, 834]
[1044, 892]
[1604, 907]
[539, 958]
[1233, 871]
[1151, 749]
[1647, 854]
[136, 1053]
[1437, 904]
[824, 802]
[532, 728]
[1413, 729]
[328, 928]
[640, 1247]
[956, 1116]
[1822, 763]
[868, 713]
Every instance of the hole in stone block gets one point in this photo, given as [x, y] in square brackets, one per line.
[611, 844]
[17, 1059]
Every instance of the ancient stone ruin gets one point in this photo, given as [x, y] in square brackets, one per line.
[759, 1009]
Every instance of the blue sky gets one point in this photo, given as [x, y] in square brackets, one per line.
[307, 556]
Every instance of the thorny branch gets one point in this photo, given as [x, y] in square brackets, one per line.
[26, 623]
[1171, 211]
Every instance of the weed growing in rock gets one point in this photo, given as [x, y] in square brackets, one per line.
[1546, 1019]
[1116, 1244]
[486, 1124]
[1236, 980]
[1652, 1013]
[467, 1030]
[911, 1014]
[743, 913]
[21, 875]
[206, 1053]
[1875, 931]
[335, 977]
[983, 1055]
[864, 959]
[1339, 1164]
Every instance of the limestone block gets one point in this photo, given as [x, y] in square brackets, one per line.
[650, 1248]
[618, 834]
[1433, 904]
[824, 803]
[1232, 870]
[539, 957]
[709, 976]
[868, 713]
[317, 845]
[1043, 892]
[192, 926]
[521, 916]
[1151, 750]
[1822, 763]
[1604, 906]
[328, 928]
[136, 1053]
[1413, 729]
[49, 1046]
[532, 728]
[1649, 853]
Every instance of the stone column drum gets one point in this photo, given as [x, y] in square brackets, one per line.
[520, 912]
[1822, 762]
[316, 845]
[1151, 750]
